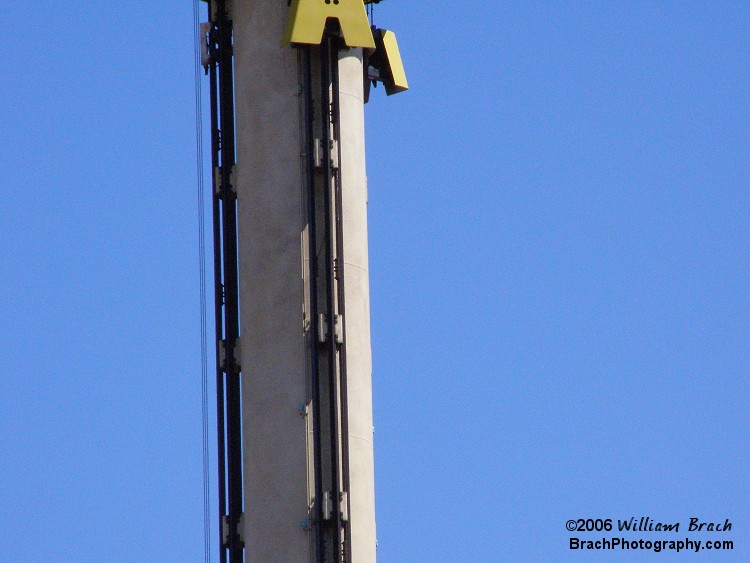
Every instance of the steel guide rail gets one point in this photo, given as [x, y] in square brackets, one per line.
[330, 272]
[313, 261]
[228, 369]
[340, 298]
[332, 530]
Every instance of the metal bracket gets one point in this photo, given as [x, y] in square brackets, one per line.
[219, 184]
[222, 352]
[339, 329]
[222, 349]
[323, 329]
[225, 531]
[241, 528]
[206, 58]
[327, 508]
[319, 154]
[238, 353]
[335, 154]
[344, 506]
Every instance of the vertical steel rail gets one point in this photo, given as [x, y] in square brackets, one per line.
[218, 300]
[340, 269]
[231, 288]
[326, 292]
[329, 52]
[229, 423]
[313, 281]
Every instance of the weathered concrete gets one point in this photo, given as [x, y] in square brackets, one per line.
[270, 210]
[357, 305]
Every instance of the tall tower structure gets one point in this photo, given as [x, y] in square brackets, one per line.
[288, 86]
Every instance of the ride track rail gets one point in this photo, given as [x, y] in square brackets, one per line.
[226, 283]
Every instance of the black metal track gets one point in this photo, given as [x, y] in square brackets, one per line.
[334, 254]
[229, 423]
[313, 281]
[218, 300]
[328, 377]
[340, 267]
[327, 85]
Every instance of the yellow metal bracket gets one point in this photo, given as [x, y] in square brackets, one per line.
[307, 22]
[389, 45]
[385, 65]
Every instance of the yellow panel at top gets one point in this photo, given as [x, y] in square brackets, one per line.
[307, 22]
[396, 64]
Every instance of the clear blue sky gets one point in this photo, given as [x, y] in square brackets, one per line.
[560, 258]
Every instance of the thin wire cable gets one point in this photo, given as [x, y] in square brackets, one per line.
[202, 276]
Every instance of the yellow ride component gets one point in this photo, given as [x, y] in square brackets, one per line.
[307, 22]
[396, 66]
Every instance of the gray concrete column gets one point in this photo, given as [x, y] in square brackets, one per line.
[357, 305]
[270, 189]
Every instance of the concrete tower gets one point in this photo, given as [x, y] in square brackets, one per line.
[294, 364]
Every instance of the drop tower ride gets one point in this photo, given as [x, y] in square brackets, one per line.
[288, 85]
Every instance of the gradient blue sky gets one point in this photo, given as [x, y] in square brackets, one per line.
[559, 219]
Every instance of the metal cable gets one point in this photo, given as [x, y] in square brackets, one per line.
[202, 276]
